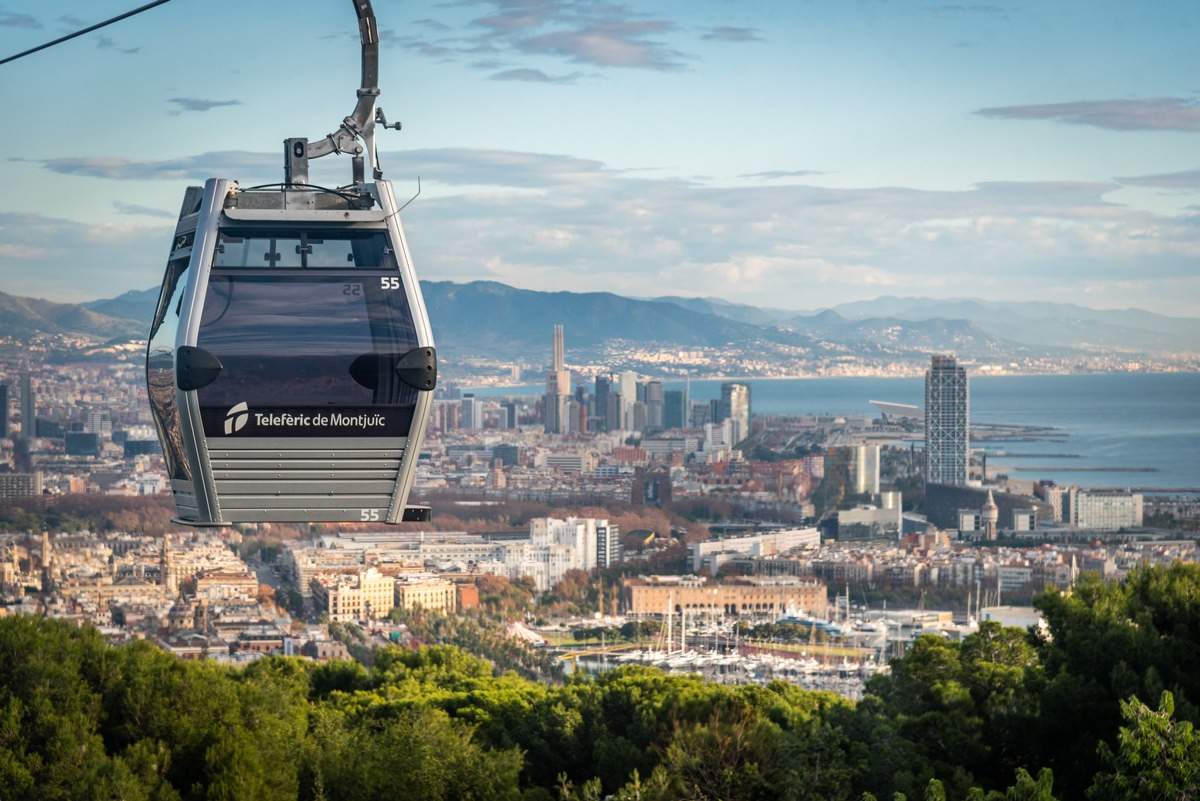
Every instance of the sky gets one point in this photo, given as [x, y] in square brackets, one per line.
[789, 155]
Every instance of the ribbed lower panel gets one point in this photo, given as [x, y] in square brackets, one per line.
[305, 480]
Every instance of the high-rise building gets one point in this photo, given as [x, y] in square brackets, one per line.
[947, 422]
[608, 544]
[574, 418]
[864, 469]
[28, 408]
[558, 389]
[472, 411]
[735, 406]
[635, 417]
[654, 406]
[629, 396]
[554, 413]
[600, 402]
[674, 409]
[687, 402]
[613, 412]
[3, 411]
[556, 546]
[98, 421]
[512, 413]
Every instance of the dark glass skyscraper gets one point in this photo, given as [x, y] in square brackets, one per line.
[600, 401]
[28, 408]
[654, 405]
[674, 409]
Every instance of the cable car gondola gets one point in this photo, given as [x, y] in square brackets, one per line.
[290, 363]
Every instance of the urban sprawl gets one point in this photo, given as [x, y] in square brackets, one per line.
[813, 520]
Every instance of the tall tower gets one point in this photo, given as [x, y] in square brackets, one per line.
[28, 408]
[629, 392]
[600, 399]
[166, 568]
[735, 406]
[471, 415]
[687, 401]
[947, 422]
[558, 389]
[655, 402]
[989, 517]
[674, 409]
[864, 469]
[559, 350]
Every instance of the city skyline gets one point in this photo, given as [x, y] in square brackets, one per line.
[792, 157]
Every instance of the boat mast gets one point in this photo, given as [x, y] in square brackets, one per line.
[670, 618]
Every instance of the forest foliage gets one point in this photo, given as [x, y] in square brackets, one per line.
[1101, 705]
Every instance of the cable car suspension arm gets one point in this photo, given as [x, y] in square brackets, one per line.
[360, 125]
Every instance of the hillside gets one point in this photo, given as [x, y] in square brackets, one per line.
[486, 321]
[26, 317]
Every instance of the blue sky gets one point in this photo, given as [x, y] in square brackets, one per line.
[785, 154]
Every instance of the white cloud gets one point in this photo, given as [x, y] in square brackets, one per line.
[196, 104]
[552, 222]
[133, 208]
[63, 260]
[1141, 114]
[23, 252]
[603, 35]
[9, 20]
[764, 244]
[252, 167]
[1186, 180]
[729, 33]
[535, 76]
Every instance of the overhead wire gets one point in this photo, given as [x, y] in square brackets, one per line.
[89, 29]
[342, 193]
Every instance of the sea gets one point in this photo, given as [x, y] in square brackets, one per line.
[1123, 430]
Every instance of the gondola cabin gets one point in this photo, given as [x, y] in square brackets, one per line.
[290, 363]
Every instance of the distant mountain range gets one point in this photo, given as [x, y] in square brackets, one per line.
[485, 320]
[1036, 323]
[22, 318]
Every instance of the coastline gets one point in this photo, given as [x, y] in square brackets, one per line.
[878, 376]
[1109, 420]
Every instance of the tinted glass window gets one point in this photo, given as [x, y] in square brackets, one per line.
[305, 249]
[160, 368]
[290, 339]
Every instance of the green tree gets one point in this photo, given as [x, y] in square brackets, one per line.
[962, 713]
[1107, 641]
[419, 754]
[635, 630]
[729, 756]
[1156, 757]
[818, 763]
[1003, 672]
[1027, 788]
[49, 744]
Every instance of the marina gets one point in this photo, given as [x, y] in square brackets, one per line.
[836, 657]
